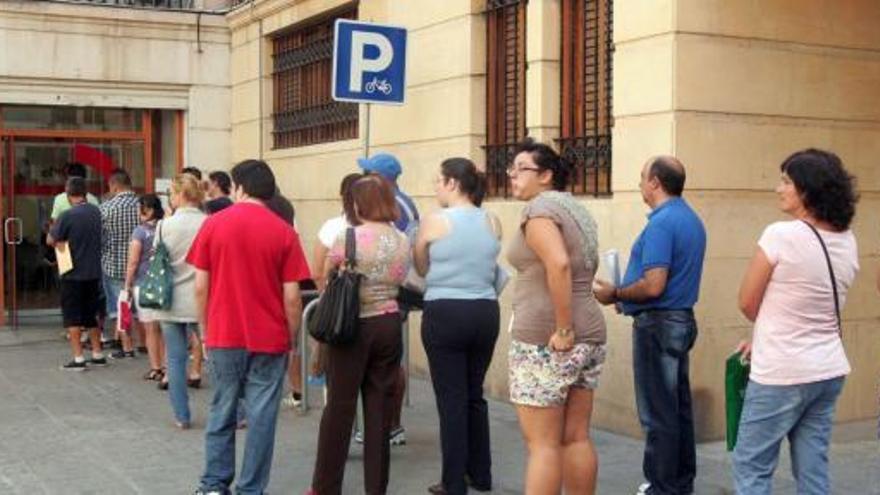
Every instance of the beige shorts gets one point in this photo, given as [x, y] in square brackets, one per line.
[143, 315]
[540, 377]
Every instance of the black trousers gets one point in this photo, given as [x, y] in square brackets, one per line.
[369, 367]
[459, 337]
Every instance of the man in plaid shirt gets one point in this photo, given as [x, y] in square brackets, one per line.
[119, 217]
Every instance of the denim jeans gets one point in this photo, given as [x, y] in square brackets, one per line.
[176, 337]
[112, 287]
[661, 342]
[803, 413]
[260, 377]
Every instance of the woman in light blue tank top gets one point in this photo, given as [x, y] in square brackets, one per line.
[456, 251]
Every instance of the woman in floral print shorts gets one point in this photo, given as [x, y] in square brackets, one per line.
[558, 342]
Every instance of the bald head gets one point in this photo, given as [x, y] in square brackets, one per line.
[669, 172]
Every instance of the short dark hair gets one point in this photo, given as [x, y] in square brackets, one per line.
[222, 180]
[192, 171]
[373, 197]
[120, 177]
[75, 169]
[825, 187]
[76, 187]
[154, 204]
[471, 182]
[282, 207]
[669, 172]
[546, 158]
[255, 178]
[347, 198]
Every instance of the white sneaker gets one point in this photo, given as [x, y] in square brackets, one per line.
[292, 401]
[398, 436]
[643, 488]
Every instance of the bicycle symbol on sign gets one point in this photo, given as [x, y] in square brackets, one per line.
[380, 85]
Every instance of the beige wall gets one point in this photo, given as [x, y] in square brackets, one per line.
[752, 84]
[730, 87]
[85, 55]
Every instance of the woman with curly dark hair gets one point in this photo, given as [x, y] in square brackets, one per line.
[794, 290]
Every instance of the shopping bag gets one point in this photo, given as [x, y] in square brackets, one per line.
[157, 287]
[736, 378]
[123, 312]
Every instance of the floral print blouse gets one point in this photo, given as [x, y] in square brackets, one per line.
[383, 257]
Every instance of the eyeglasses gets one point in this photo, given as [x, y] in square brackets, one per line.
[511, 170]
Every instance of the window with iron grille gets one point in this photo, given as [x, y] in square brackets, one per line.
[585, 129]
[304, 112]
[505, 88]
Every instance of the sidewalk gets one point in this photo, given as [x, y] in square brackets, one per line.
[106, 431]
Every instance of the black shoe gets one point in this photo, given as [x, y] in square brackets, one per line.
[480, 487]
[73, 365]
[437, 489]
[98, 361]
[121, 354]
[162, 385]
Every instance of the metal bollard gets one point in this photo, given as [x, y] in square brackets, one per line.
[304, 350]
[406, 358]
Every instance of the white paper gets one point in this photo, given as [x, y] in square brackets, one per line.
[612, 266]
[63, 257]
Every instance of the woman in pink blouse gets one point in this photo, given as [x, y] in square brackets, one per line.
[368, 366]
[794, 290]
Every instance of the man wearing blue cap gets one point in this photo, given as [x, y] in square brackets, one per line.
[386, 165]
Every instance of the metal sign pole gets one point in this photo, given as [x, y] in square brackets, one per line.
[367, 132]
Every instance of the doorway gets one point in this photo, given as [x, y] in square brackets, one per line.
[36, 145]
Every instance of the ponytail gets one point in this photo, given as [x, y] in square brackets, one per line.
[471, 182]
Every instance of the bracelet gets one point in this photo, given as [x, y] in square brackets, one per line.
[563, 332]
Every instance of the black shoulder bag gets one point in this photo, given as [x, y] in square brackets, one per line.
[833, 280]
[335, 321]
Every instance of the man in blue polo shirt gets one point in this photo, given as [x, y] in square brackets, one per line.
[659, 290]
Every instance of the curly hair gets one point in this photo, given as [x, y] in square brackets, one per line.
[546, 158]
[824, 185]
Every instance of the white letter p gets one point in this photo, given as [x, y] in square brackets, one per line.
[360, 64]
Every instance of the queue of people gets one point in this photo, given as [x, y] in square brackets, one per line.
[238, 263]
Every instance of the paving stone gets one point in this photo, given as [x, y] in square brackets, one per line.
[107, 431]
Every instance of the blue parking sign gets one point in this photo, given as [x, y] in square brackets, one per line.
[369, 62]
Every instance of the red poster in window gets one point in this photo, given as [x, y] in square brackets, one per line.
[94, 158]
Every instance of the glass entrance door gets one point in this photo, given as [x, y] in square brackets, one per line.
[33, 174]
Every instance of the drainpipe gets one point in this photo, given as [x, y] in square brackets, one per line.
[260, 86]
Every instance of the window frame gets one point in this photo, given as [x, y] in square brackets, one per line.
[303, 110]
[586, 118]
[506, 68]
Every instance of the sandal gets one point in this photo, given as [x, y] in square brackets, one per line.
[194, 382]
[163, 385]
[154, 375]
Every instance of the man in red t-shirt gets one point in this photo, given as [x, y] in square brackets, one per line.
[248, 264]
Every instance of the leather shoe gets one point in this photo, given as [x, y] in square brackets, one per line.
[437, 489]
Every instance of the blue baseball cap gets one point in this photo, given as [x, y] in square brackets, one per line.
[383, 164]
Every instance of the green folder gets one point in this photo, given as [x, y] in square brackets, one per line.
[736, 377]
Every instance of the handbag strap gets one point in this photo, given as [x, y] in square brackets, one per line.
[831, 271]
[350, 248]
